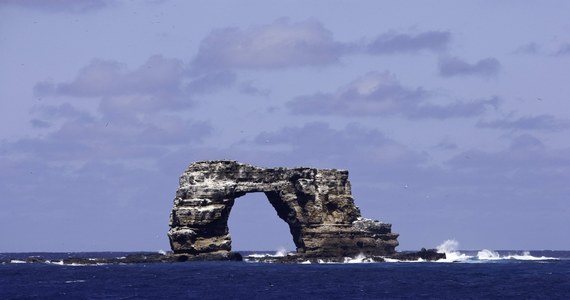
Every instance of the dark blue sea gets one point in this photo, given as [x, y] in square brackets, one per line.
[465, 275]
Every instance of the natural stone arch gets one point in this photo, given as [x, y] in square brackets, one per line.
[316, 204]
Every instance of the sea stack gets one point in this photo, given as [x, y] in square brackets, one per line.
[317, 205]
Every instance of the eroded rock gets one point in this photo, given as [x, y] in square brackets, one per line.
[317, 205]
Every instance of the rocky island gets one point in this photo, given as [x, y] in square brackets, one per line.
[317, 205]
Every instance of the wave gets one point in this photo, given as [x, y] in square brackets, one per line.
[449, 247]
[360, 258]
[254, 257]
[281, 252]
[74, 264]
[526, 256]
[75, 281]
[17, 261]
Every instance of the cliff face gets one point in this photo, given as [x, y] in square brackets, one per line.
[316, 204]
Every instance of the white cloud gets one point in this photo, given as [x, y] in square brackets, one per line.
[393, 42]
[280, 44]
[381, 94]
[157, 76]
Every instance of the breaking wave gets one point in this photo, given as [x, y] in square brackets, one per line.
[255, 257]
[449, 247]
[281, 252]
[360, 258]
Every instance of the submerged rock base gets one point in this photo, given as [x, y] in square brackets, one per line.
[423, 255]
[134, 258]
[153, 257]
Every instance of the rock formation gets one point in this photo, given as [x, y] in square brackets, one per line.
[316, 204]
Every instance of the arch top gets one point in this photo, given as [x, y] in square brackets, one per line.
[233, 172]
[316, 203]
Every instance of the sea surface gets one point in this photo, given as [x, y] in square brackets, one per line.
[485, 274]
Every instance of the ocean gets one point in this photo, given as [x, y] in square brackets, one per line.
[481, 274]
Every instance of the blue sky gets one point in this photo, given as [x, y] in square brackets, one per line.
[452, 117]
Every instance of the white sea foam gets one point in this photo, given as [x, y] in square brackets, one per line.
[17, 261]
[259, 255]
[61, 263]
[280, 252]
[393, 260]
[74, 281]
[360, 258]
[161, 252]
[449, 247]
[526, 256]
[486, 254]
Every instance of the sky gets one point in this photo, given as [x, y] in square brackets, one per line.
[452, 117]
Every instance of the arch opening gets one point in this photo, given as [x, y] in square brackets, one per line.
[255, 225]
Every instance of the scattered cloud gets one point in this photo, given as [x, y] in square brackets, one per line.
[392, 42]
[280, 44]
[133, 119]
[526, 142]
[64, 111]
[457, 109]
[526, 156]
[318, 144]
[210, 82]
[530, 48]
[37, 123]
[157, 76]
[248, 88]
[372, 94]
[284, 44]
[82, 137]
[381, 94]
[563, 50]
[540, 122]
[453, 66]
[68, 6]
[445, 144]
[157, 85]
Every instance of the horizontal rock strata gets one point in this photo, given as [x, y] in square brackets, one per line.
[317, 205]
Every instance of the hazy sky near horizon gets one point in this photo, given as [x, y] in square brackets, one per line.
[453, 117]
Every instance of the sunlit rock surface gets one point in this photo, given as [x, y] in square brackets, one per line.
[317, 205]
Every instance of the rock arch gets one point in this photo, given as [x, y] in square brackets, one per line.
[317, 205]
